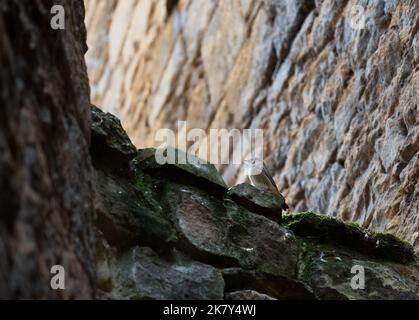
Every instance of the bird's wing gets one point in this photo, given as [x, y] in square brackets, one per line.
[268, 174]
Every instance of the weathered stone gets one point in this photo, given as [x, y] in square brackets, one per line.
[258, 201]
[278, 287]
[182, 166]
[142, 274]
[225, 234]
[330, 272]
[326, 229]
[107, 127]
[126, 217]
[127, 214]
[110, 145]
[337, 100]
[184, 222]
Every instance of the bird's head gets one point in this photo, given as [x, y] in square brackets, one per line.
[254, 166]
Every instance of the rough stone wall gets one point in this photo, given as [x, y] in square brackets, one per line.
[339, 105]
[175, 231]
[46, 215]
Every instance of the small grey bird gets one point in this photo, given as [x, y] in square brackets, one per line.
[260, 176]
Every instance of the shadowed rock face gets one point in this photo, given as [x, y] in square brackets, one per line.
[142, 274]
[46, 185]
[338, 104]
[166, 231]
[330, 230]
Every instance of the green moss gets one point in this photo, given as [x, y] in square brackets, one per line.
[354, 226]
[389, 239]
[295, 219]
[388, 246]
[321, 227]
[351, 235]
[126, 217]
[306, 260]
[148, 187]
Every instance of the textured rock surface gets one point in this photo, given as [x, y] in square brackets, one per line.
[261, 201]
[142, 274]
[330, 230]
[325, 270]
[46, 197]
[164, 233]
[187, 165]
[339, 105]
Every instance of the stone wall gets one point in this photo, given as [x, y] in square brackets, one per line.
[175, 231]
[46, 198]
[338, 103]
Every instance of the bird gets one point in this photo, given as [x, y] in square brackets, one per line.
[260, 176]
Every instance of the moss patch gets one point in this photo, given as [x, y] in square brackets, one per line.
[351, 235]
